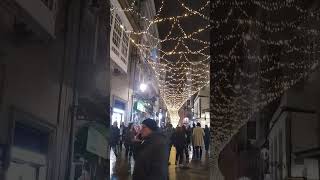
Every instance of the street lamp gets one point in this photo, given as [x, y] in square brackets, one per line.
[143, 87]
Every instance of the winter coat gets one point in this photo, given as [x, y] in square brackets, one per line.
[115, 136]
[129, 136]
[179, 139]
[197, 136]
[168, 133]
[207, 135]
[188, 133]
[151, 161]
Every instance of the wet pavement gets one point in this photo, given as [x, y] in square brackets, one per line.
[121, 168]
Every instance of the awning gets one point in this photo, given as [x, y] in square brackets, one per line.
[97, 140]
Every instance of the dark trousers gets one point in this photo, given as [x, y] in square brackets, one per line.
[120, 146]
[198, 152]
[114, 149]
[186, 151]
[129, 150]
[193, 152]
[206, 145]
[179, 155]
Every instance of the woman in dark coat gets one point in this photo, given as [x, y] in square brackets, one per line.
[180, 144]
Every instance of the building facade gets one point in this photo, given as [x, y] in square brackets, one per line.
[129, 102]
[41, 87]
[201, 106]
[120, 54]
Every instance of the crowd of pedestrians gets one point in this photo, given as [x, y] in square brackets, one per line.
[150, 146]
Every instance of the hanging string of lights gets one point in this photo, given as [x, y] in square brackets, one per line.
[182, 70]
[263, 49]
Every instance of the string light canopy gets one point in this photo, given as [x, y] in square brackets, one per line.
[259, 48]
[182, 64]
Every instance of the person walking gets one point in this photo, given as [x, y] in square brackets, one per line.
[114, 138]
[188, 140]
[192, 143]
[169, 133]
[121, 139]
[198, 142]
[152, 157]
[206, 138]
[179, 139]
[128, 140]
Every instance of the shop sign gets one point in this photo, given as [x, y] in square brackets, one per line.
[97, 143]
[140, 106]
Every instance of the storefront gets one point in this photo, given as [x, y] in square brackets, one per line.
[119, 111]
[91, 156]
[30, 147]
[139, 111]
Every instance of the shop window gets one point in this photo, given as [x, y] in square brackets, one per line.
[29, 149]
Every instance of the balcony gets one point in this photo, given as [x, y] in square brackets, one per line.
[40, 11]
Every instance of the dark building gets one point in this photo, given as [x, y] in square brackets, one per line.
[54, 61]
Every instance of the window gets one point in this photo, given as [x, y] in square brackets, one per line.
[117, 31]
[116, 40]
[125, 44]
[111, 15]
[29, 153]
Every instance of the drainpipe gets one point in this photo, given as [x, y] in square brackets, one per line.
[288, 145]
[75, 86]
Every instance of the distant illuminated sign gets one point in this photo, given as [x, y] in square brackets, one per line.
[97, 143]
[140, 106]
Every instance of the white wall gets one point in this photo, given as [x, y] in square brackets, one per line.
[120, 89]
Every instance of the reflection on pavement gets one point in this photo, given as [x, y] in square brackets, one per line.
[122, 168]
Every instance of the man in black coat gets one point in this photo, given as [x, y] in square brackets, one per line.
[152, 155]
[115, 138]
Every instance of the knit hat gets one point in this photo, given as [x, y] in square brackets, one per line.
[151, 124]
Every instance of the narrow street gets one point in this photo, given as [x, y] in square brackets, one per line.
[120, 169]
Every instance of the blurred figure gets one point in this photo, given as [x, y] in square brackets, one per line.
[192, 142]
[198, 141]
[152, 156]
[206, 138]
[121, 139]
[188, 140]
[179, 138]
[168, 133]
[136, 141]
[114, 138]
[128, 140]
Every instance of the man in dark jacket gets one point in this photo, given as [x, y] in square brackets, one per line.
[115, 138]
[152, 158]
